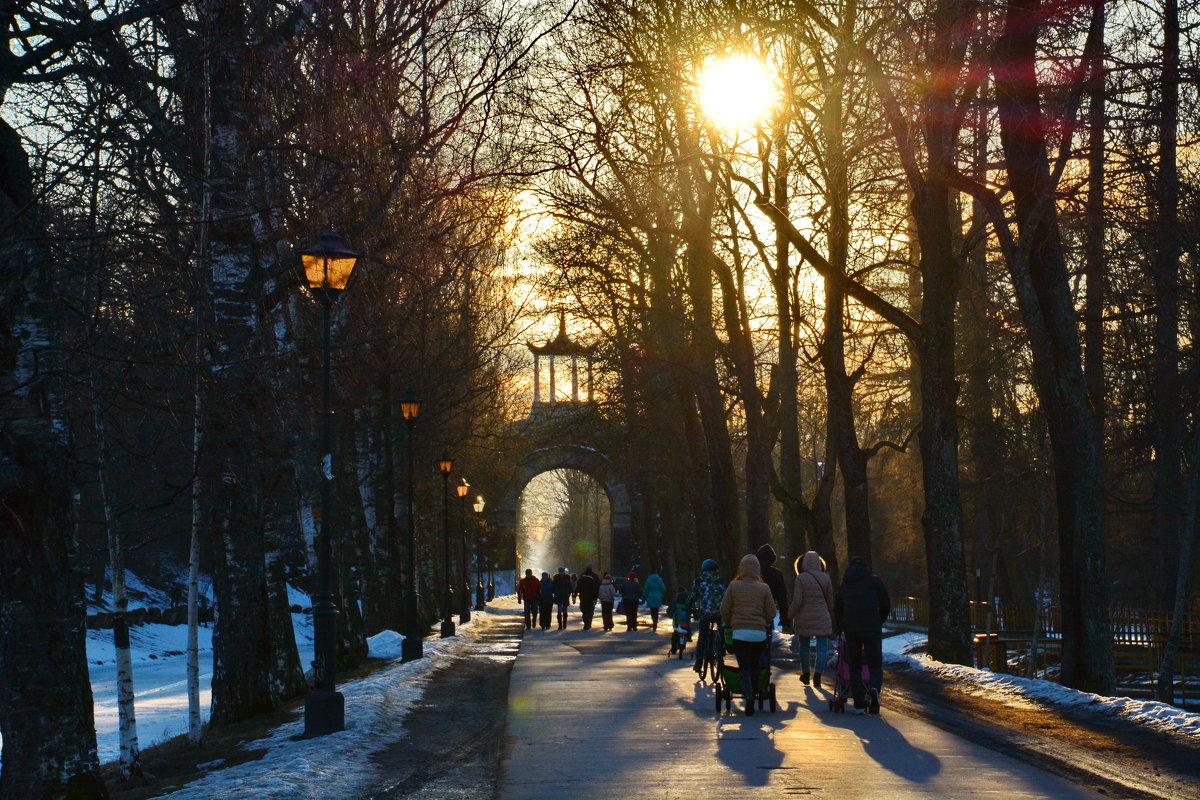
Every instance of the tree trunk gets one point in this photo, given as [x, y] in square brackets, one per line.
[1040, 276]
[1166, 402]
[130, 753]
[45, 693]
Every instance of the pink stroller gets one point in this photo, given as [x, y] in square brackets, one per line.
[841, 680]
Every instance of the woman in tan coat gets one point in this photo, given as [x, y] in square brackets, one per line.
[749, 611]
[811, 612]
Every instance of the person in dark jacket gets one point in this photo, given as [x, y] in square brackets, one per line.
[631, 598]
[588, 588]
[773, 578]
[607, 594]
[562, 595]
[528, 590]
[546, 600]
[860, 608]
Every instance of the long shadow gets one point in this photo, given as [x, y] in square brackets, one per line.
[882, 742]
[747, 749]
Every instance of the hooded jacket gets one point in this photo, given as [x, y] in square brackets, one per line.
[704, 598]
[607, 592]
[588, 588]
[811, 610]
[862, 604]
[747, 604]
[655, 590]
[774, 579]
[547, 588]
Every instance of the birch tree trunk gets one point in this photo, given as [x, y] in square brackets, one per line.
[130, 757]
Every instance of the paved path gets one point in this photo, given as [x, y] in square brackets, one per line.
[608, 715]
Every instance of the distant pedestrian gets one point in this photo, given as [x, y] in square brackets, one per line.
[811, 613]
[654, 592]
[574, 588]
[528, 590]
[631, 597]
[773, 578]
[546, 600]
[749, 611]
[588, 588]
[860, 608]
[562, 595]
[681, 616]
[607, 596]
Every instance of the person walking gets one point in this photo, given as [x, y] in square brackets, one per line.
[775, 582]
[631, 597]
[811, 613]
[607, 595]
[574, 588]
[562, 595]
[528, 590]
[860, 608]
[748, 610]
[588, 588]
[681, 627]
[654, 592]
[546, 600]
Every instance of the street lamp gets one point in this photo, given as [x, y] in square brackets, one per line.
[445, 465]
[412, 647]
[327, 268]
[464, 569]
[477, 506]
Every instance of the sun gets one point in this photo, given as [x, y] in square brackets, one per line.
[735, 91]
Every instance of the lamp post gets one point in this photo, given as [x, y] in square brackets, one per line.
[327, 268]
[464, 569]
[477, 506]
[445, 465]
[412, 647]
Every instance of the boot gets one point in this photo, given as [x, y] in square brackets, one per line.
[817, 680]
[804, 677]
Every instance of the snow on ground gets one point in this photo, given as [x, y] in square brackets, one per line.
[337, 765]
[160, 670]
[1016, 691]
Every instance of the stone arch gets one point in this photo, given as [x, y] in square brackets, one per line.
[593, 463]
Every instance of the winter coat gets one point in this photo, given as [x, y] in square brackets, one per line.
[631, 592]
[704, 599]
[561, 587]
[862, 603]
[655, 591]
[528, 589]
[608, 592]
[811, 611]
[588, 588]
[547, 596]
[747, 604]
[774, 579]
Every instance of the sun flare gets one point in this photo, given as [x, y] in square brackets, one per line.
[735, 91]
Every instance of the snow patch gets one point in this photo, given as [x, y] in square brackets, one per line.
[1017, 691]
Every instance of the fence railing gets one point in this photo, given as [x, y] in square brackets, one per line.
[1129, 626]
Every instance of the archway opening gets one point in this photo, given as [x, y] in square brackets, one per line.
[564, 519]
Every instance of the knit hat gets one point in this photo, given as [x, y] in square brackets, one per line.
[632, 576]
[708, 565]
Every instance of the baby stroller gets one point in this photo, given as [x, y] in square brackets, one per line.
[730, 682]
[841, 679]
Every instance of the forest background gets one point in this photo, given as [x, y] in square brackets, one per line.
[936, 304]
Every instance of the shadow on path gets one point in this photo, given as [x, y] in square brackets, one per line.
[880, 740]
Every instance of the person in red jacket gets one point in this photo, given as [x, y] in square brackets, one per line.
[529, 591]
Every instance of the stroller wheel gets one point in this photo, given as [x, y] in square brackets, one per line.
[717, 695]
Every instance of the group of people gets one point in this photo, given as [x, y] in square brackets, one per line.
[560, 591]
[748, 607]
